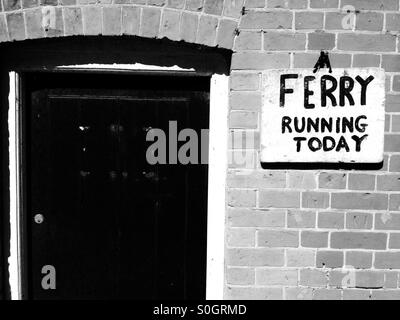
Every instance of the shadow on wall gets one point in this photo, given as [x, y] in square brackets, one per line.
[49, 53]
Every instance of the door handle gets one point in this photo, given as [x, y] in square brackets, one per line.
[39, 218]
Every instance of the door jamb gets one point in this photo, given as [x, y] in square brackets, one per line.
[218, 140]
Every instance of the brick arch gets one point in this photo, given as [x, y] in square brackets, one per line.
[211, 23]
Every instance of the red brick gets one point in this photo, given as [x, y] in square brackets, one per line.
[319, 4]
[393, 22]
[331, 180]
[313, 278]
[329, 259]
[321, 41]
[356, 294]
[298, 293]
[391, 63]
[284, 41]
[34, 27]
[72, 21]
[395, 123]
[177, 4]
[253, 293]
[257, 179]
[287, 4]
[334, 20]
[56, 29]
[358, 240]
[396, 83]
[369, 21]
[112, 17]
[243, 119]
[11, 5]
[359, 220]
[309, 20]
[34, 3]
[15, 24]
[266, 20]
[389, 182]
[394, 241]
[327, 294]
[233, 8]
[257, 257]
[301, 180]
[394, 202]
[359, 259]
[366, 42]
[308, 60]
[245, 81]
[393, 101]
[300, 257]
[3, 28]
[156, 2]
[311, 199]
[366, 60]
[241, 217]
[240, 276]
[255, 3]
[194, 5]
[340, 60]
[48, 2]
[242, 159]
[189, 24]
[391, 279]
[226, 33]
[241, 237]
[248, 40]
[150, 22]
[277, 238]
[260, 61]
[207, 30]
[344, 278]
[92, 20]
[130, 20]
[170, 25]
[276, 277]
[386, 294]
[241, 198]
[279, 199]
[213, 6]
[314, 239]
[370, 279]
[387, 221]
[360, 181]
[352, 200]
[245, 101]
[331, 220]
[387, 260]
[372, 4]
[301, 219]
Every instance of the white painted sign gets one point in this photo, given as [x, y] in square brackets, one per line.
[323, 117]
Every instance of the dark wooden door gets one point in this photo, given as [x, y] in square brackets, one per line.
[114, 226]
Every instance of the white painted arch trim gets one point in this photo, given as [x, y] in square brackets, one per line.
[219, 104]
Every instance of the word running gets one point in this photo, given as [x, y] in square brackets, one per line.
[334, 127]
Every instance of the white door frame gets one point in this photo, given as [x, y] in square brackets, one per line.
[218, 137]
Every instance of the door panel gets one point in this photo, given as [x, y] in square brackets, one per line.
[115, 227]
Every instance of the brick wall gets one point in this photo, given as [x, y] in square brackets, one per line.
[291, 234]
[313, 234]
[206, 22]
